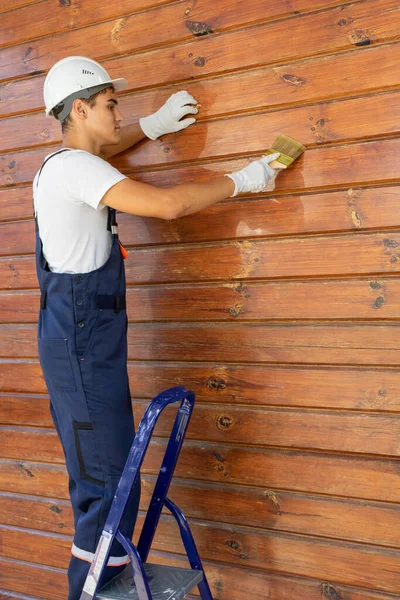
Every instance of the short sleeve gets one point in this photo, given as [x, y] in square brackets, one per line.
[88, 177]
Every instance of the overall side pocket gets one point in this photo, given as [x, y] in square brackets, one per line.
[56, 364]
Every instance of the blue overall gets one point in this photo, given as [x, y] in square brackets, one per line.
[83, 353]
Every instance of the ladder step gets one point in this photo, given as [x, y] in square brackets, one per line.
[166, 583]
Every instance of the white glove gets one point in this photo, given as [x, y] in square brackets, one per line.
[256, 177]
[167, 118]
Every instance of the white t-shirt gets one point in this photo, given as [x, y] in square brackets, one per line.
[69, 211]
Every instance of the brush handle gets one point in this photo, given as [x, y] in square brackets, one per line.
[275, 164]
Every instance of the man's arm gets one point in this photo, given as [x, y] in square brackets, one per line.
[146, 200]
[171, 117]
[130, 135]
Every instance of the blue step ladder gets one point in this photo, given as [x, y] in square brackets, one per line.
[142, 580]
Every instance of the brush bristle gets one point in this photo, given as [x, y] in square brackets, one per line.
[287, 145]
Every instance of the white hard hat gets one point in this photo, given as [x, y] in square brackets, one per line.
[75, 75]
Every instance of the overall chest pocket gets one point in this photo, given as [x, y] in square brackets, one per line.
[56, 364]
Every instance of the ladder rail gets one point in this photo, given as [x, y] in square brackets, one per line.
[165, 476]
[190, 547]
[128, 478]
[138, 572]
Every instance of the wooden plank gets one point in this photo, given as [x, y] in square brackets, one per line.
[368, 522]
[7, 5]
[344, 343]
[322, 387]
[234, 583]
[282, 85]
[49, 583]
[370, 478]
[353, 476]
[285, 553]
[41, 514]
[350, 209]
[347, 165]
[279, 427]
[49, 18]
[308, 343]
[20, 273]
[325, 122]
[330, 299]
[293, 555]
[338, 255]
[227, 583]
[291, 428]
[126, 33]
[310, 35]
[36, 479]
[29, 373]
[16, 203]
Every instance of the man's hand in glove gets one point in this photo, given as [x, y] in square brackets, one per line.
[168, 118]
[257, 177]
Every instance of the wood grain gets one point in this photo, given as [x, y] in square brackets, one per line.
[50, 18]
[260, 385]
[284, 553]
[347, 165]
[296, 82]
[290, 428]
[349, 476]
[331, 299]
[373, 254]
[317, 124]
[227, 583]
[352, 209]
[310, 35]
[277, 510]
[330, 344]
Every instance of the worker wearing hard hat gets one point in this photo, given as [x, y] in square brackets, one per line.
[83, 322]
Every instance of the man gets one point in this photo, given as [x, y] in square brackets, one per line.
[82, 321]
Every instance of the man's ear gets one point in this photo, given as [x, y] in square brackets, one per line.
[79, 109]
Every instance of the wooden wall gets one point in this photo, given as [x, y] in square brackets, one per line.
[281, 311]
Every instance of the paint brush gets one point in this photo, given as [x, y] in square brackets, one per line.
[289, 150]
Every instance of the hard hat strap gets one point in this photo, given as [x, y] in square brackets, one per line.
[66, 105]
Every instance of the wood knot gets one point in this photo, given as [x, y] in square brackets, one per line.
[378, 302]
[213, 383]
[200, 61]
[272, 498]
[375, 285]
[199, 28]
[232, 544]
[356, 218]
[329, 591]
[224, 422]
[390, 243]
[293, 79]
[360, 38]
[236, 310]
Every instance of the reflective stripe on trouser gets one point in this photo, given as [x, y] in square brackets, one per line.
[83, 353]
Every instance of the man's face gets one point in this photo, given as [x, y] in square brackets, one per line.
[104, 119]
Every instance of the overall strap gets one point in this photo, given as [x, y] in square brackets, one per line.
[47, 160]
[38, 177]
[43, 260]
[112, 224]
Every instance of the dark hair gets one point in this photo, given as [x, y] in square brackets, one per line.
[91, 101]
